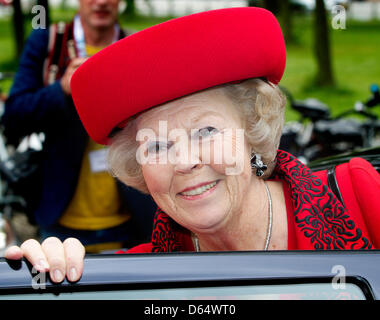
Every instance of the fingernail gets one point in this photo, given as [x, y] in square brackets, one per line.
[73, 274]
[58, 276]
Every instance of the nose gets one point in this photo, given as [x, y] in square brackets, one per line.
[187, 162]
[186, 168]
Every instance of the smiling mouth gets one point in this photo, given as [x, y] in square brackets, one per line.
[199, 190]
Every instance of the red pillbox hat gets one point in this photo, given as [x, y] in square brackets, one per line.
[173, 59]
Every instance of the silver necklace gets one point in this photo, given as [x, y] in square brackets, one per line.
[270, 219]
[269, 228]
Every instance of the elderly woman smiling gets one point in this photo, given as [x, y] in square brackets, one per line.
[199, 192]
[193, 116]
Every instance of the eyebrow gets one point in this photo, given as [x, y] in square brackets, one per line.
[197, 118]
[193, 120]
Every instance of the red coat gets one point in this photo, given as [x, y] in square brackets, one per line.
[316, 218]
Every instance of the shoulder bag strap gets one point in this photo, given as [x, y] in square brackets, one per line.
[51, 67]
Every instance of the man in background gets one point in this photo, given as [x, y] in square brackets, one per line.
[76, 196]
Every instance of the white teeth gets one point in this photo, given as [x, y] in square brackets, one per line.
[199, 190]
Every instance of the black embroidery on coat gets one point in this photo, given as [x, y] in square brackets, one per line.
[164, 236]
[318, 212]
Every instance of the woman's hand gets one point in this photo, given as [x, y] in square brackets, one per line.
[53, 256]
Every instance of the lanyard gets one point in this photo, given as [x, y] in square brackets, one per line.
[79, 36]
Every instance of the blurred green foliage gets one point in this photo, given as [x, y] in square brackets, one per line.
[355, 50]
[356, 64]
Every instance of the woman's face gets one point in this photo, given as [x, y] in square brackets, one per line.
[194, 159]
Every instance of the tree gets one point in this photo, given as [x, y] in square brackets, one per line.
[282, 9]
[18, 26]
[324, 76]
[130, 10]
[254, 3]
[287, 21]
[271, 5]
[45, 4]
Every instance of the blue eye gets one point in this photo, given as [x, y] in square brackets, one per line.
[206, 132]
[157, 147]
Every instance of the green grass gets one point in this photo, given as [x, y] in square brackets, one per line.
[355, 51]
[356, 64]
[7, 52]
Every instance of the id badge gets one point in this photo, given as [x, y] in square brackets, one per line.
[98, 160]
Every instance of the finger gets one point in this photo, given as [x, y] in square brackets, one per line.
[75, 63]
[32, 251]
[74, 252]
[13, 253]
[55, 255]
